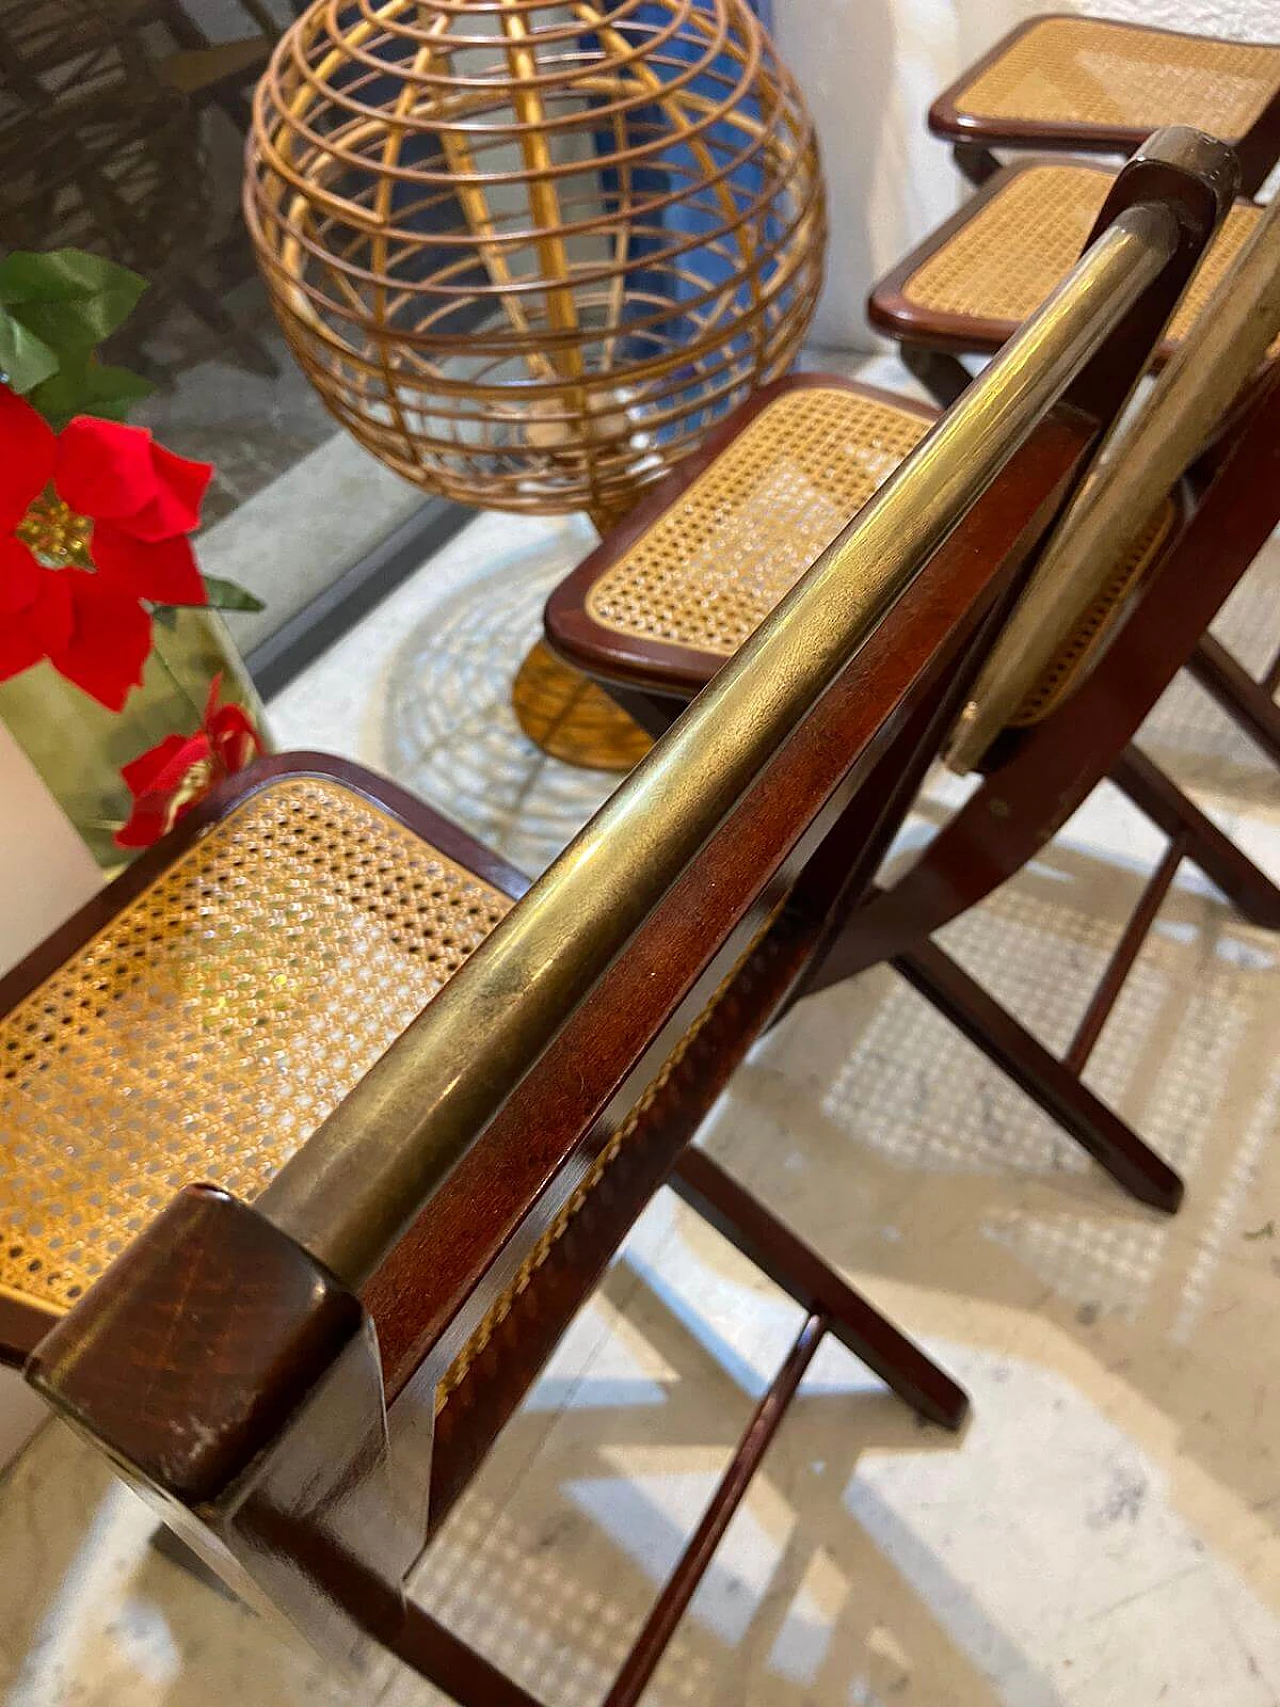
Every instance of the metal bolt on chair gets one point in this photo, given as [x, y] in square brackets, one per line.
[302, 1362]
[1098, 86]
[654, 613]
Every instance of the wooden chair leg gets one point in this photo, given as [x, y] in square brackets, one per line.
[641, 1663]
[377, 1605]
[790, 1264]
[1249, 890]
[434, 1652]
[944, 377]
[833, 1307]
[975, 162]
[1244, 700]
[1123, 957]
[1045, 1079]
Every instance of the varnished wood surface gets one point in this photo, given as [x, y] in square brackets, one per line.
[1044, 773]
[610, 1049]
[218, 1325]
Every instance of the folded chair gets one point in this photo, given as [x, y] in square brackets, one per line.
[302, 1363]
[1097, 86]
[656, 610]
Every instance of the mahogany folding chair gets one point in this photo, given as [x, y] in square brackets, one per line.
[1098, 86]
[303, 1364]
[655, 611]
[969, 285]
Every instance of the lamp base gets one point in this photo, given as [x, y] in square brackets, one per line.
[571, 718]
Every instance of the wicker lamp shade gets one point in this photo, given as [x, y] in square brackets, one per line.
[529, 254]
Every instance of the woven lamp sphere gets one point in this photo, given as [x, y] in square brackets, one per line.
[531, 254]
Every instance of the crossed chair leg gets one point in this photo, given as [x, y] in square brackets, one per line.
[831, 1307]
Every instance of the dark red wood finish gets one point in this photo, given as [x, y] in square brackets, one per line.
[1050, 1084]
[1045, 773]
[660, 1626]
[675, 962]
[237, 1380]
[1120, 962]
[324, 1509]
[611, 1048]
[1247, 702]
[1040, 776]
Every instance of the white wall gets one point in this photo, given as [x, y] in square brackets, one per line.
[869, 70]
[45, 873]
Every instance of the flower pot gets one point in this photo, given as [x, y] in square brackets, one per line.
[80, 748]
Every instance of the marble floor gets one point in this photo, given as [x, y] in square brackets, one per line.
[1104, 1532]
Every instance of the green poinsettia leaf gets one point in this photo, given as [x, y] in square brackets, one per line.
[230, 595]
[85, 387]
[69, 299]
[25, 360]
[225, 595]
[113, 390]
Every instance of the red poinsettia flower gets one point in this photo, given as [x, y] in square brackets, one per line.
[92, 521]
[169, 779]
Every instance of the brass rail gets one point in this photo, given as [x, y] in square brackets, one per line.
[360, 1179]
[1140, 465]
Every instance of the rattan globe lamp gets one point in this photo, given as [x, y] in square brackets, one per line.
[530, 254]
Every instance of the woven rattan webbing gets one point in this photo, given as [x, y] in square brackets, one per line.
[715, 563]
[1003, 262]
[215, 1022]
[1076, 654]
[502, 1306]
[505, 1302]
[1085, 71]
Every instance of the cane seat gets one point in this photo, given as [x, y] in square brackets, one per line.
[708, 572]
[218, 1017]
[1098, 85]
[210, 1025]
[664, 606]
[972, 283]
